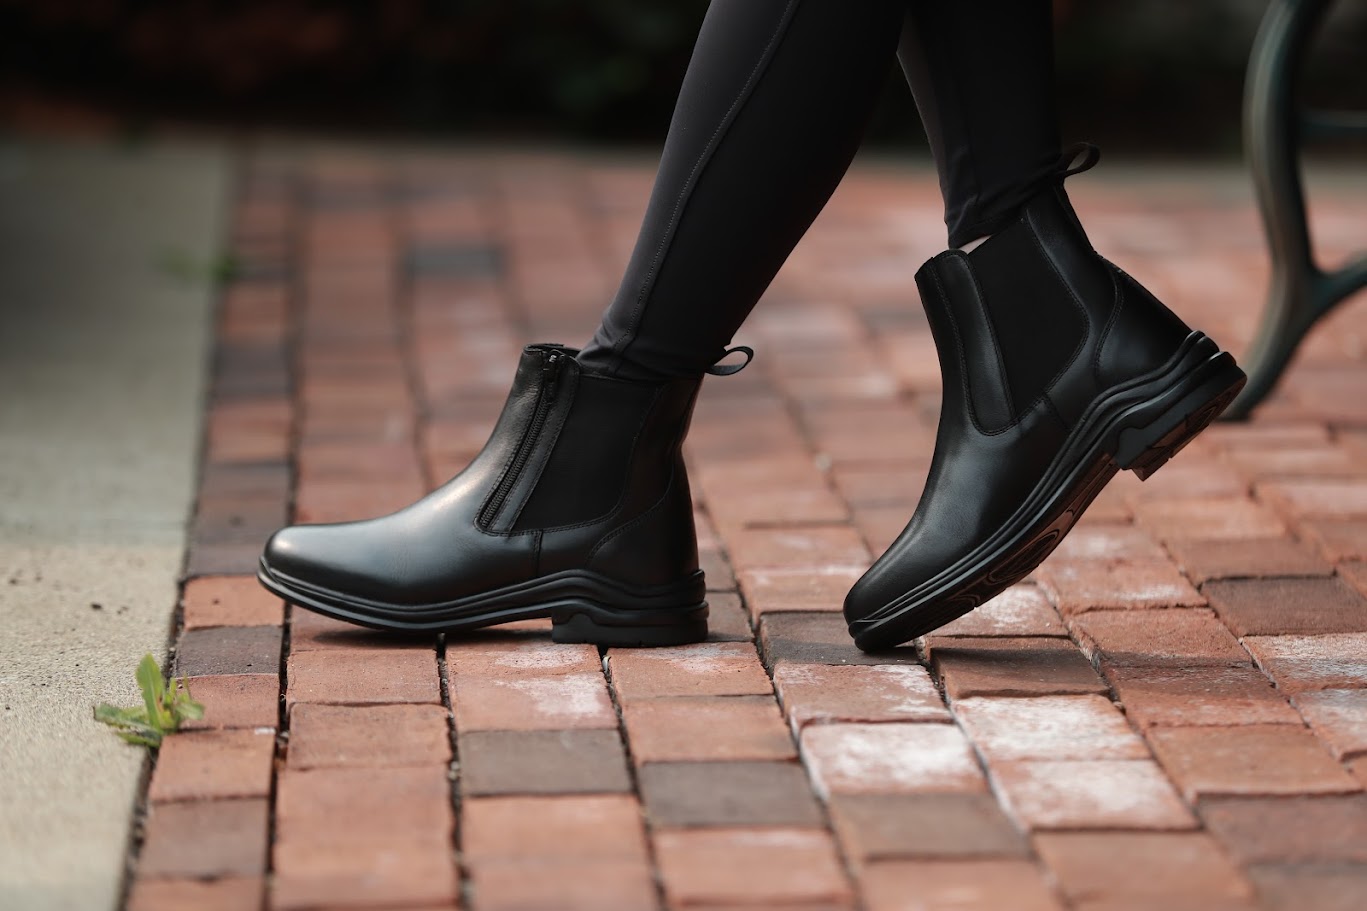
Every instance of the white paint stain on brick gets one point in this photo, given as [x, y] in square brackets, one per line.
[889, 758]
[1102, 794]
[1049, 727]
[540, 655]
[572, 697]
[1312, 662]
[1338, 717]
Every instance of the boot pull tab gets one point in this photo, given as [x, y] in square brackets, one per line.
[720, 369]
[1069, 162]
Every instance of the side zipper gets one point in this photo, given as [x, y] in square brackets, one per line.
[545, 398]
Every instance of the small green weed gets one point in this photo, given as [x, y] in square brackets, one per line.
[165, 706]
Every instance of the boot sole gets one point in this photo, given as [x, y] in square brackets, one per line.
[1137, 426]
[583, 607]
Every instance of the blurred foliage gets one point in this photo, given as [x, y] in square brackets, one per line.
[1153, 73]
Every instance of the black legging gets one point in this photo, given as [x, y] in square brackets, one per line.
[771, 112]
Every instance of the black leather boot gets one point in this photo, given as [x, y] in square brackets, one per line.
[577, 509]
[1059, 370]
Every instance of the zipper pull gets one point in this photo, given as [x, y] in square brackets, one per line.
[550, 373]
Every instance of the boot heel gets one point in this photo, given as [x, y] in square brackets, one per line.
[1146, 449]
[624, 628]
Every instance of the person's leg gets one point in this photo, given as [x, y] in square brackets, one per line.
[1059, 369]
[982, 74]
[771, 111]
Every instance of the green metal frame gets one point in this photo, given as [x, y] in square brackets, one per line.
[1301, 292]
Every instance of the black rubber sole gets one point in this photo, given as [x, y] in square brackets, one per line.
[579, 604]
[1141, 437]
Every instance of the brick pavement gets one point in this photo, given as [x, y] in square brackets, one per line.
[1171, 713]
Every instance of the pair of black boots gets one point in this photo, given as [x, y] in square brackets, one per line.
[1059, 370]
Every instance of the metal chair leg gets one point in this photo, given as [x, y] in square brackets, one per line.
[1301, 293]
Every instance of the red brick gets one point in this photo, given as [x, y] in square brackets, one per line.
[1355, 574]
[562, 827]
[707, 669]
[357, 677]
[1258, 436]
[543, 762]
[737, 727]
[728, 794]
[236, 701]
[1338, 718]
[1254, 558]
[727, 619]
[1300, 663]
[1112, 543]
[979, 885]
[821, 588]
[1186, 478]
[800, 547]
[1290, 829]
[205, 839]
[324, 807]
[1141, 865]
[750, 866]
[506, 656]
[310, 632]
[1338, 539]
[1318, 498]
[519, 884]
[944, 826]
[1098, 585]
[1160, 638]
[819, 637]
[880, 526]
[228, 650]
[716, 570]
[1313, 462]
[375, 736]
[1323, 887]
[1022, 610]
[1223, 518]
[1251, 759]
[774, 506]
[1197, 696]
[889, 759]
[1090, 794]
[347, 500]
[1288, 606]
[1034, 666]
[203, 765]
[881, 485]
[229, 601]
[229, 893]
[815, 693]
[532, 701]
[386, 874]
[1048, 727]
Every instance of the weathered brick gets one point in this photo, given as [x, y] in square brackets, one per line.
[1048, 727]
[1338, 539]
[707, 728]
[1324, 887]
[1034, 666]
[1167, 638]
[1274, 607]
[1290, 829]
[1091, 866]
[1111, 543]
[890, 692]
[968, 884]
[1187, 697]
[358, 677]
[728, 794]
[542, 762]
[235, 701]
[229, 601]
[397, 873]
[576, 884]
[228, 893]
[560, 827]
[946, 826]
[1252, 759]
[371, 736]
[229, 650]
[1317, 497]
[203, 765]
[769, 866]
[1090, 794]
[1255, 558]
[511, 656]
[532, 701]
[311, 632]
[707, 669]
[1223, 518]
[817, 588]
[204, 839]
[819, 638]
[1022, 610]
[800, 547]
[889, 758]
[1338, 718]
[1097, 585]
[1300, 663]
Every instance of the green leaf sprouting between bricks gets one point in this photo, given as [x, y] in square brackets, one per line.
[164, 708]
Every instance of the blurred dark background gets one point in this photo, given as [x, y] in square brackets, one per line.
[1142, 75]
